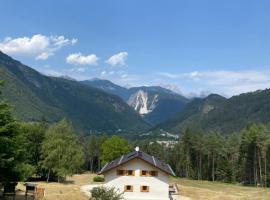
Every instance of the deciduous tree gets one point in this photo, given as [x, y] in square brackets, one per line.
[61, 153]
[114, 147]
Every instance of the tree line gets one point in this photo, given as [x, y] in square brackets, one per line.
[242, 157]
[55, 151]
[50, 151]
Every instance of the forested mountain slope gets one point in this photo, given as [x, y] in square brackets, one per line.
[35, 96]
[225, 115]
[154, 103]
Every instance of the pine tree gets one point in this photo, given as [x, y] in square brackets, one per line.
[12, 161]
[254, 145]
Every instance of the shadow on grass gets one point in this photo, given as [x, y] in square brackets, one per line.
[67, 182]
[20, 195]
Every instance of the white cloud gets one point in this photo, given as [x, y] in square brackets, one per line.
[194, 74]
[232, 77]
[173, 87]
[118, 59]
[107, 73]
[227, 82]
[39, 46]
[81, 69]
[124, 75]
[50, 72]
[168, 75]
[79, 59]
[103, 73]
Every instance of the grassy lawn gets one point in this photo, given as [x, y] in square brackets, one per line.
[211, 191]
[62, 191]
[195, 190]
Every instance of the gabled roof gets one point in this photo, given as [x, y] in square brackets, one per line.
[140, 155]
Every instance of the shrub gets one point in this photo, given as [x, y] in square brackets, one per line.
[105, 193]
[98, 179]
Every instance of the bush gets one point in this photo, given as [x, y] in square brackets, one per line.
[98, 179]
[104, 193]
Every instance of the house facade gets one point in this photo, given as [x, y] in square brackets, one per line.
[139, 176]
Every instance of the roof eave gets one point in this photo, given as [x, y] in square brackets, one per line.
[102, 171]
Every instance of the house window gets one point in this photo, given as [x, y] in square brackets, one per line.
[144, 173]
[128, 188]
[153, 173]
[130, 173]
[120, 172]
[144, 188]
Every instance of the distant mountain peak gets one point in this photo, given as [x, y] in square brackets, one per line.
[154, 103]
[215, 96]
[68, 77]
[172, 87]
[35, 96]
[96, 79]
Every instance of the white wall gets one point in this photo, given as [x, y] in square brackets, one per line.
[158, 186]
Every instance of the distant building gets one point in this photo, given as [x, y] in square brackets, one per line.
[140, 176]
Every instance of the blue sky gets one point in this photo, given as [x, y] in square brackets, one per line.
[191, 46]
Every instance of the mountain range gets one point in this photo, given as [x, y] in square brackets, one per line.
[98, 105]
[155, 104]
[216, 113]
[34, 96]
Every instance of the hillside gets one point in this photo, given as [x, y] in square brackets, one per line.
[108, 87]
[190, 189]
[225, 115]
[155, 104]
[35, 96]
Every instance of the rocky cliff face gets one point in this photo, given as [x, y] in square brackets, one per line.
[143, 102]
[154, 103]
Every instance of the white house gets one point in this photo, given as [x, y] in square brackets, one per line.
[139, 176]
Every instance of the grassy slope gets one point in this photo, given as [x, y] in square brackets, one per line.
[205, 190]
[60, 191]
[35, 96]
[220, 114]
[193, 114]
[25, 103]
[195, 190]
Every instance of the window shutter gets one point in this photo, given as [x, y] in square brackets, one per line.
[128, 188]
[144, 188]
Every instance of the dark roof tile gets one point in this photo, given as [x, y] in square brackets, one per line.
[141, 155]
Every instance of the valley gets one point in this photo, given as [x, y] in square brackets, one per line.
[96, 106]
[135, 100]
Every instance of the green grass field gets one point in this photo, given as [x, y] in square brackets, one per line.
[211, 191]
[190, 189]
